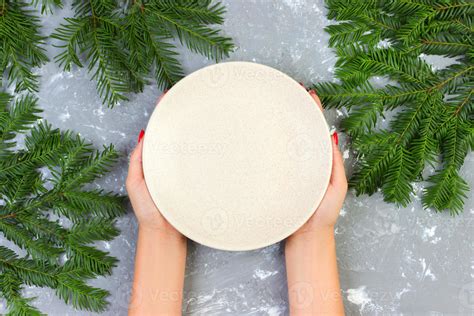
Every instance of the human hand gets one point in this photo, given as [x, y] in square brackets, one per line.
[325, 216]
[148, 215]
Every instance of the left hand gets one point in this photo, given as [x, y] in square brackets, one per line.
[325, 216]
[148, 215]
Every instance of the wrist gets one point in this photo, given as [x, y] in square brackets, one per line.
[160, 234]
[319, 235]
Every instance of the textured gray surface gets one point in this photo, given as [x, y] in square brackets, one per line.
[391, 261]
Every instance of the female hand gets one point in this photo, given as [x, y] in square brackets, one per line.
[160, 257]
[326, 214]
[148, 215]
[310, 253]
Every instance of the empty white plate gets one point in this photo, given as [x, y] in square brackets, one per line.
[237, 156]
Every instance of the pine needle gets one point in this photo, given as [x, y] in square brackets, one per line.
[433, 108]
[46, 174]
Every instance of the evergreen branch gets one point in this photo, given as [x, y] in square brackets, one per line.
[345, 33]
[446, 44]
[29, 271]
[466, 102]
[95, 166]
[168, 71]
[43, 228]
[197, 38]
[452, 77]
[409, 33]
[122, 46]
[34, 180]
[90, 259]
[108, 72]
[97, 203]
[448, 192]
[21, 115]
[88, 231]
[455, 11]
[397, 185]
[196, 11]
[384, 62]
[408, 120]
[10, 289]
[21, 45]
[73, 33]
[80, 295]
[334, 95]
[435, 106]
[368, 177]
[47, 5]
[147, 44]
[35, 247]
[424, 147]
[362, 119]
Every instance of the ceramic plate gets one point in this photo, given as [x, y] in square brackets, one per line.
[237, 156]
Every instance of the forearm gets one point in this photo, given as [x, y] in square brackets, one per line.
[159, 274]
[313, 281]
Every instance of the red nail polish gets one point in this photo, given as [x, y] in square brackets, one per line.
[140, 136]
[336, 138]
[312, 92]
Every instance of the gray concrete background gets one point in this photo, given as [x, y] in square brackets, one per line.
[391, 260]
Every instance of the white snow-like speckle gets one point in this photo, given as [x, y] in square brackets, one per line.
[399, 294]
[345, 154]
[426, 268]
[384, 44]
[394, 229]
[64, 116]
[359, 297]
[263, 274]
[294, 5]
[271, 311]
[428, 232]
[56, 77]
[343, 212]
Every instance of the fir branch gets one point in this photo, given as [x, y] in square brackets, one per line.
[434, 108]
[124, 45]
[362, 119]
[47, 6]
[80, 295]
[204, 12]
[198, 38]
[10, 289]
[21, 45]
[49, 170]
[90, 258]
[397, 185]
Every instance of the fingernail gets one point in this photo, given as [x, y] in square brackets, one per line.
[140, 136]
[312, 92]
[335, 137]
